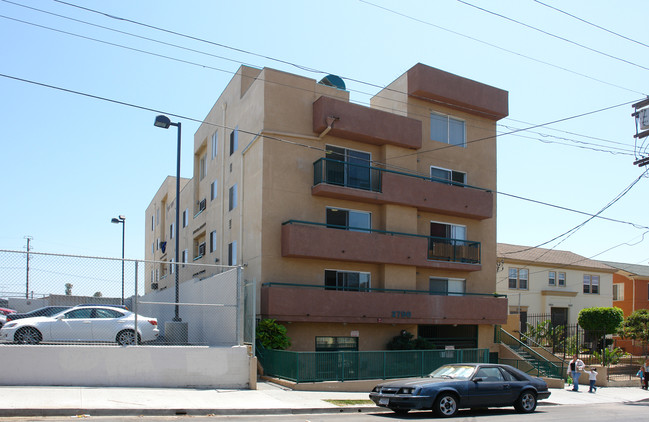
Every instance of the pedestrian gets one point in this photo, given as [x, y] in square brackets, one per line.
[645, 374]
[575, 366]
[592, 378]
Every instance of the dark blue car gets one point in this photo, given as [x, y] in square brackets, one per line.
[45, 311]
[463, 385]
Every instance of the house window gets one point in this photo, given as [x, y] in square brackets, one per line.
[346, 280]
[591, 284]
[518, 278]
[152, 224]
[212, 241]
[351, 168]
[336, 344]
[447, 129]
[618, 292]
[171, 231]
[234, 140]
[447, 242]
[232, 253]
[447, 286]
[233, 197]
[213, 190]
[186, 217]
[202, 168]
[349, 220]
[215, 144]
[552, 278]
[562, 279]
[172, 267]
[439, 174]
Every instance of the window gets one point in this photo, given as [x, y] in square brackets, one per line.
[212, 241]
[152, 224]
[350, 168]
[335, 344]
[447, 129]
[234, 140]
[186, 217]
[552, 278]
[233, 197]
[213, 190]
[618, 291]
[591, 284]
[447, 286]
[346, 280]
[172, 267]
[439, 174]
[215, 144]
[202, 168]
[518, 278]
[185, 256]
[171, 231]
[348, 220]
[232, 253]
[562, 279]
[448, 242]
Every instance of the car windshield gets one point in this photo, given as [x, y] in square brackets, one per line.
[456, 372]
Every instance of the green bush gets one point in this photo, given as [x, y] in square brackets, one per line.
[272, 335]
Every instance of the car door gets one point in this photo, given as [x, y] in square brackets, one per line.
[106, 323]
[488, 387]
[74, 325]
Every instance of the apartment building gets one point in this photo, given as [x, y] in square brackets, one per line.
[356, 222]
[552, 282]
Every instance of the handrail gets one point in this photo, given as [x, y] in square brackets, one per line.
[371, 289]
[537, 357]
[417, 176]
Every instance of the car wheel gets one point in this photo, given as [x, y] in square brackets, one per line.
[526, 402]
[445, 405]
[28, 335]
[126, 337]
[399, 411]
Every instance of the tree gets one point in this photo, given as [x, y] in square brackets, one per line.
[272, 335]
[607, 319]
[68, 289]
[97, 294]
[636, 326]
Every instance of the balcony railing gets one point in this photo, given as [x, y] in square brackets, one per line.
[439, 248]
[371, 289]
[342, 173]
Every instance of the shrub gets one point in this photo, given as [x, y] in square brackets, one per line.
[272, 335]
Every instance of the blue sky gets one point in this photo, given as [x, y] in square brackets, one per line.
[70, 163]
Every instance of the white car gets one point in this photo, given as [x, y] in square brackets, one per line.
[82, 324]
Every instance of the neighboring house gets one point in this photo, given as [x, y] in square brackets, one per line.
[356, 222]
[630, 293]
[552, 282]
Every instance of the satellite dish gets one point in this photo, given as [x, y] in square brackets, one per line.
[334, 81]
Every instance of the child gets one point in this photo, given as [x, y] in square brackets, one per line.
[592, 378]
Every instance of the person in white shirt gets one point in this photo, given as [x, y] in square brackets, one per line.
[575, 366]
[592, 378]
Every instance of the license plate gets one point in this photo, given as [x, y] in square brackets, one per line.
[384, 401]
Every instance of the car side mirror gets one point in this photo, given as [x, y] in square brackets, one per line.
[478, 379]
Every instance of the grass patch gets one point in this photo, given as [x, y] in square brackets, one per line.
[351, 402]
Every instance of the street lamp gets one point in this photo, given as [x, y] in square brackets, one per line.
[121, 220]
[164, 122]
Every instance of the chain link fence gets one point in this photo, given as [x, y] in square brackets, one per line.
[214, 306]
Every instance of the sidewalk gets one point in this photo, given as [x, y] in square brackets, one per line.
[267, 399]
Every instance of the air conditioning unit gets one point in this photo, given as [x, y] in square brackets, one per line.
[202, 205]
[154, 286]
[201, 249]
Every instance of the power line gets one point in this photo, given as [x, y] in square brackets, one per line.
[591, 24]
[594, 50]
[502, 48]
[157, 111]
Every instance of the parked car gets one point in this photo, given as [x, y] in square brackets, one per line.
[3, 315]
[82, 324]
[455, 386]
[44, 311]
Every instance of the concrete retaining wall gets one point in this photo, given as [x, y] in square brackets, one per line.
[115, 366]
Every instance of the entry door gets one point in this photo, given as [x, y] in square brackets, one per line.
[559, 316]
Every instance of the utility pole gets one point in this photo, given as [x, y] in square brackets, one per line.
[28, 238]
[641, 115]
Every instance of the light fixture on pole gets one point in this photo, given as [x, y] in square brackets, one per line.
[164, 122]
[121, 220]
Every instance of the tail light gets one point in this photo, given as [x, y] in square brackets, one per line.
[153, 322]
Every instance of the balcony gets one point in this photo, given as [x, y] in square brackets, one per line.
[311, 303]
[301, 239]
[343, 180]
[366, 124]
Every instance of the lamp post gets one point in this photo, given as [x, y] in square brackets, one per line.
[164, 122]
[121, 220]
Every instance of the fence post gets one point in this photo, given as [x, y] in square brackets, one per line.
[135, 301]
